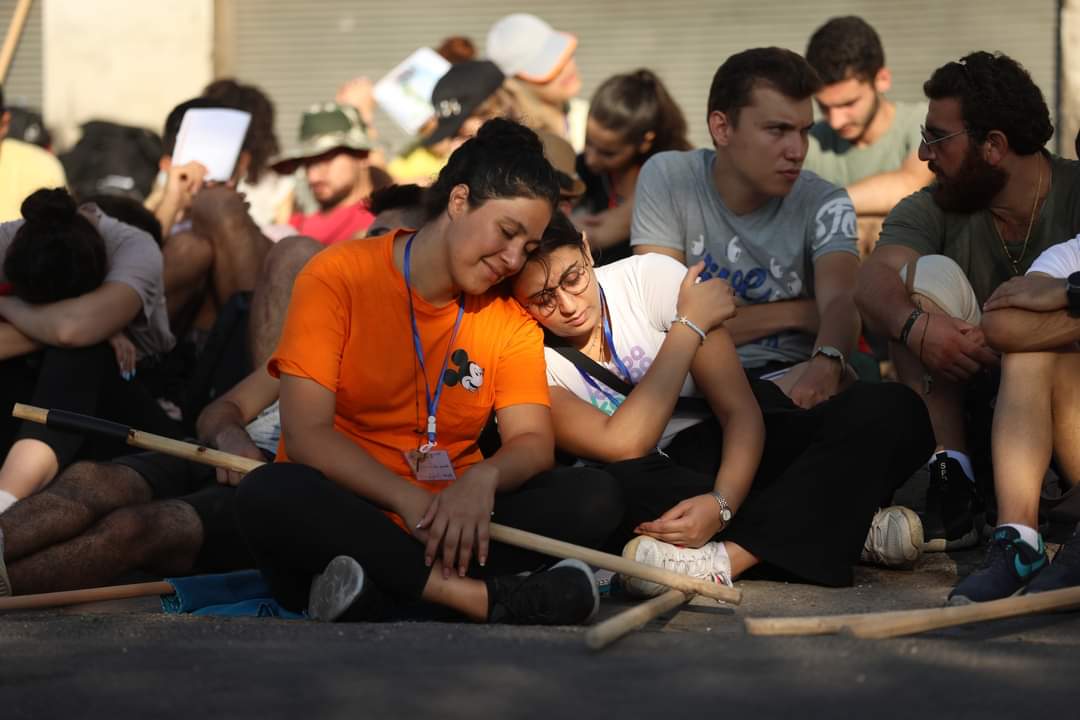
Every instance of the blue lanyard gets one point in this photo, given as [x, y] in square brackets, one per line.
[610, 340]
[418, 348]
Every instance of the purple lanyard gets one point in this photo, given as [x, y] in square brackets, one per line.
[610, 340]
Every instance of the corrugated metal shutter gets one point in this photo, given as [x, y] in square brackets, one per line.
[299, 52]
[24, 86]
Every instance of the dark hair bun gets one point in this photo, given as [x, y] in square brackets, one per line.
[497, 131]
[49, 206]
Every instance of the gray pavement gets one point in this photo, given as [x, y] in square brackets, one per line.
[126, 659]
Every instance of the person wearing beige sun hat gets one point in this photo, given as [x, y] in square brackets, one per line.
[540, 60]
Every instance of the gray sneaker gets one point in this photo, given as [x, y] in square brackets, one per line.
[708, 562]
[336, 589]
[5, 582]
[895, 539]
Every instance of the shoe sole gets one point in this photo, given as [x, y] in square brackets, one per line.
[636, 587]
[583, 567]
[336, 589]
[961, 600]
[967, 540]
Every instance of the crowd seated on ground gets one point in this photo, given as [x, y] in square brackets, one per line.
[562, 317]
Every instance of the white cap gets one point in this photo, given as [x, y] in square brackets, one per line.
[526, 46]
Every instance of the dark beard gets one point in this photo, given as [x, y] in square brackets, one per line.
[974, 187]
[332, 202]
[874, 109]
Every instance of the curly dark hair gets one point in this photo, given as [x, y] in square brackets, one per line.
[845, 47]
[637, 103]
[781, 69]
[260, 141]
[504, 160]
[995, 93]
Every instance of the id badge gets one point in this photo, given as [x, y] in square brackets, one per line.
[432, 466]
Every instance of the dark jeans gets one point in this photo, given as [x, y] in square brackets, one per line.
[83, 380]
[823, 474]
[296, 520]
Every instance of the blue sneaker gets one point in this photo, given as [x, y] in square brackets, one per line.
[1009, 566]
[1064, 571]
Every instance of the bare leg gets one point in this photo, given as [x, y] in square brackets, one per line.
[83, 494]
[28, 467]
[271, 298]
[1023, 435]
[944, 402]
[187, 262]
[162, 537]
[1066, 409]
[220, 215]
[466, 595]
[741, 559]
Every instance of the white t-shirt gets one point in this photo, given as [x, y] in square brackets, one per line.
[642, 292]
[1059, 261]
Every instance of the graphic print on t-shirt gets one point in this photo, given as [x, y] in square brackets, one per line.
[468, 373]
[638, 363]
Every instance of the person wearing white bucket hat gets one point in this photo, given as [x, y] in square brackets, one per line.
[540, 60]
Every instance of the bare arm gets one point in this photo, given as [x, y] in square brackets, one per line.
[880, 293]
[223, 423]
[877, 194]
[14, 343]
[754, 322]
[1028, 314]
[670, 252]
[79, 322]
[834, 295]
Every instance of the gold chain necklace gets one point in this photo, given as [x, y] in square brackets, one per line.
[1031, 223]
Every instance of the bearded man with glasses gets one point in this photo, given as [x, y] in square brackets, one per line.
[999, 199]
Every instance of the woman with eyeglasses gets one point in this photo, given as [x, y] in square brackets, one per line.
[395, 352]
[702, 497]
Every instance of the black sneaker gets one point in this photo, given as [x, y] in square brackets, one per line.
[948, 521]
[1009, 566]
[1064, 571]
[566, 594]
[342, 592]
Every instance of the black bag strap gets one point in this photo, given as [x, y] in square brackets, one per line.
[590, 367]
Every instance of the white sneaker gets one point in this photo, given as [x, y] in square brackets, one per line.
[335, 589]
[708, 562]
[895, 539]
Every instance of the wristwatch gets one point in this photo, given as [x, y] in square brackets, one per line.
[1072, 294]
[725, 509]
[833, 354]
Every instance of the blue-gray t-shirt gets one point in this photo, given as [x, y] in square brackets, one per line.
[767, 255]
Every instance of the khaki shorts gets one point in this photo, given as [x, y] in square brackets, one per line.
[941, 280]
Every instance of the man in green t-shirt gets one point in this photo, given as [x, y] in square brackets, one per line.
[864, 142]
[999, 200]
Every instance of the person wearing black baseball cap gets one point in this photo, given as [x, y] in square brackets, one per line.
[467, 96]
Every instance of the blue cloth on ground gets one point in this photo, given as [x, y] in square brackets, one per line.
[236, 594]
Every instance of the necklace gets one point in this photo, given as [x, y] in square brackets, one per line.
[1015, 262]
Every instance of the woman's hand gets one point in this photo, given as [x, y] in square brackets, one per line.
[459, 518]
[691, 523]
[126, 355]
[706, 303]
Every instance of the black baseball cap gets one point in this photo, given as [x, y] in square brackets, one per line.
[459, 92]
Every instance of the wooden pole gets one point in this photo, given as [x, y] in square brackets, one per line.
[11, 40]
[601, 635]
[501, 533]
[78, 597]
[910, 622]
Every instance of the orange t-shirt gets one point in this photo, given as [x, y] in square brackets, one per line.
[348, 329]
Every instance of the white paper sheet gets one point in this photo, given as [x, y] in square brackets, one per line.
[405, 93]
[213, 137]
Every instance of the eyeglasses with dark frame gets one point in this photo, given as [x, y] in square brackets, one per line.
[929, 141]
[574, 281]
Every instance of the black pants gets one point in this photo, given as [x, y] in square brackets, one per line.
[84, 380]
[823, 475]
[295, 520]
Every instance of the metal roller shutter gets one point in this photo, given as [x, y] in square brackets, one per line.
[299, 52]
[23, 85]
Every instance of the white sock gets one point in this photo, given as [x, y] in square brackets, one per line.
[964, 460]
[1028, 534]
[6, 500]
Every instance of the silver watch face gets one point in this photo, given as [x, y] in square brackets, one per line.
[725, 515]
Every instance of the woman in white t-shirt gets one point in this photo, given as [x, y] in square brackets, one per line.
[696, 498]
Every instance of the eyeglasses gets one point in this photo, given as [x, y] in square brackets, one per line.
[929, 140]
[574, 281]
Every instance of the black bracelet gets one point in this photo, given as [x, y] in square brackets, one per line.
[910, 323]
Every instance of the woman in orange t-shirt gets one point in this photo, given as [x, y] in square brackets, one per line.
[394, 354]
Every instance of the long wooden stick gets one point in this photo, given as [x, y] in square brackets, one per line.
[11, 40]
[601, 635]
[64, 420]
[910, 622]
[78, 597]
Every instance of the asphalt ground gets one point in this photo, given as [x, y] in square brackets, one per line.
[127, 659]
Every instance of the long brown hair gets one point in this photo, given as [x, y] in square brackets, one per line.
[638, 103]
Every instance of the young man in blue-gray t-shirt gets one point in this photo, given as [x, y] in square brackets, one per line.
[784, 238]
